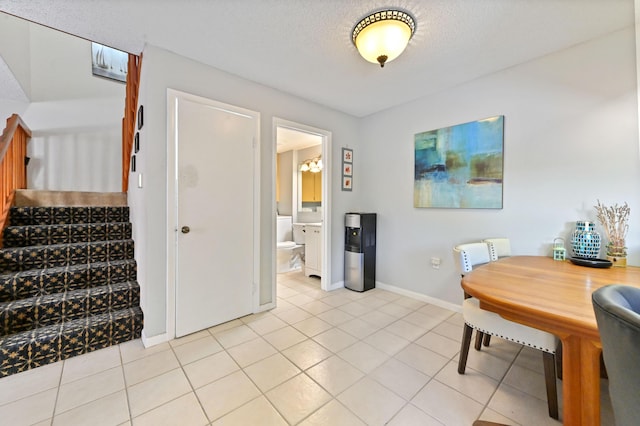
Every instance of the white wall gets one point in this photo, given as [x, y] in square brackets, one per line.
[15, 74]
[161, 70]
[75, 118]
[61, 68]
[76, 145]
[10, 107]
[14, 43]
[571, 138]
[80, 160]
[285, 177]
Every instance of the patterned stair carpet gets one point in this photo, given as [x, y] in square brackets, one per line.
[67, 284]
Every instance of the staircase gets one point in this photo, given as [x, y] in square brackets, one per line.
[67, 280]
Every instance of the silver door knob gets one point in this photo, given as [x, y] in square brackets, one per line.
[185, 229]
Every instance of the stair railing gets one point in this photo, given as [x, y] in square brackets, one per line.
[129, 120]
[13, 164]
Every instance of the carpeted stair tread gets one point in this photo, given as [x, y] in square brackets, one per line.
[46, 345]
[37, 282]
[21, 216]
[36, 235]
[26, 314]
[67, 282]
[23, 258]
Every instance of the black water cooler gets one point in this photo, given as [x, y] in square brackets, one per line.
[360, 251]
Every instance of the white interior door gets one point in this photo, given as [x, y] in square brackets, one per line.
[215, 214]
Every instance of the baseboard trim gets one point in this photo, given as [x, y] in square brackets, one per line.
[419, 296]
[154, 340]
[265, 307]
[336, 286]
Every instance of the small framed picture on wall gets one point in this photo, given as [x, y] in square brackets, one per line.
[140, 117]
[136, 142]
[347, 183]
[347, 169]
[347, 155]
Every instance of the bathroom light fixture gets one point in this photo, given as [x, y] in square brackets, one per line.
[313, 165]
[382, 36]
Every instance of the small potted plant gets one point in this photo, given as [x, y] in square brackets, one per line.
[615, 220]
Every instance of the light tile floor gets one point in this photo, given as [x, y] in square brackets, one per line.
[338, 358]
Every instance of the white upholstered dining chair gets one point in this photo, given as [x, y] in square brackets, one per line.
[490, 323]
[500, 246]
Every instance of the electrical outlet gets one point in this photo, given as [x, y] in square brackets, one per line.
[435, 262]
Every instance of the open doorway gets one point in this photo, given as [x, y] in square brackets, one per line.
[302, 197]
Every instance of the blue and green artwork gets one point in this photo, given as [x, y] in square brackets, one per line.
[460, 166]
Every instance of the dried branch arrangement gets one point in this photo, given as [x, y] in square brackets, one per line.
[615, 220]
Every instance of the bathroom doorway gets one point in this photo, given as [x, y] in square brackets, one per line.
[302, 190]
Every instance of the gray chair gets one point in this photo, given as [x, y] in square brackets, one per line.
[492, 324]
[617, 310]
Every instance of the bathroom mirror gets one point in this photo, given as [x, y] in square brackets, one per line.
[310, 191]
[309, 167]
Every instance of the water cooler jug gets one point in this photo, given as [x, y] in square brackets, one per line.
[360, 251]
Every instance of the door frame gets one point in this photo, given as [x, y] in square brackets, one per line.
[173, 97]
[325, 279]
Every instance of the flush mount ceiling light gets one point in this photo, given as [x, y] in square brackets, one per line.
[382, 36]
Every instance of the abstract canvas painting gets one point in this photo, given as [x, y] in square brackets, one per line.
[460, 166]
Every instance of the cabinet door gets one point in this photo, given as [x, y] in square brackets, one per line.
[313, 250]
[308, 187]
[311, 241]
[317, 186]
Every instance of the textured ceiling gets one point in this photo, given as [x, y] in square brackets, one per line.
[303, 47]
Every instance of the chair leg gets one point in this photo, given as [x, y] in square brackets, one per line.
[479, 336]
[464, 348]
[550, 380]
[558, 357]
[486, 340]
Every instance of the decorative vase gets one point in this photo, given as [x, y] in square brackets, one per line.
[617, 255]
[585, 241]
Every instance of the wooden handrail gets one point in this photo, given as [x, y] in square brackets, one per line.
[129, 120]
[13, 168]
[13, 123]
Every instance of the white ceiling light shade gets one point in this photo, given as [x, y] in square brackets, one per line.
[382, 36]
[312, 165]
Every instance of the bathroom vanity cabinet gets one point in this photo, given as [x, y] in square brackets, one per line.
[313, 250]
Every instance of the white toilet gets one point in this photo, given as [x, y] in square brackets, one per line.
[290, 244]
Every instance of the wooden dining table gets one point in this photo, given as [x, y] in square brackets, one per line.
[554, 296]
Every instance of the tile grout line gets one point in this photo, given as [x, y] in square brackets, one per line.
[55, 404]
[126, 385]
[500, 382]
[388, 357]
[311, 338]
[193, 389]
